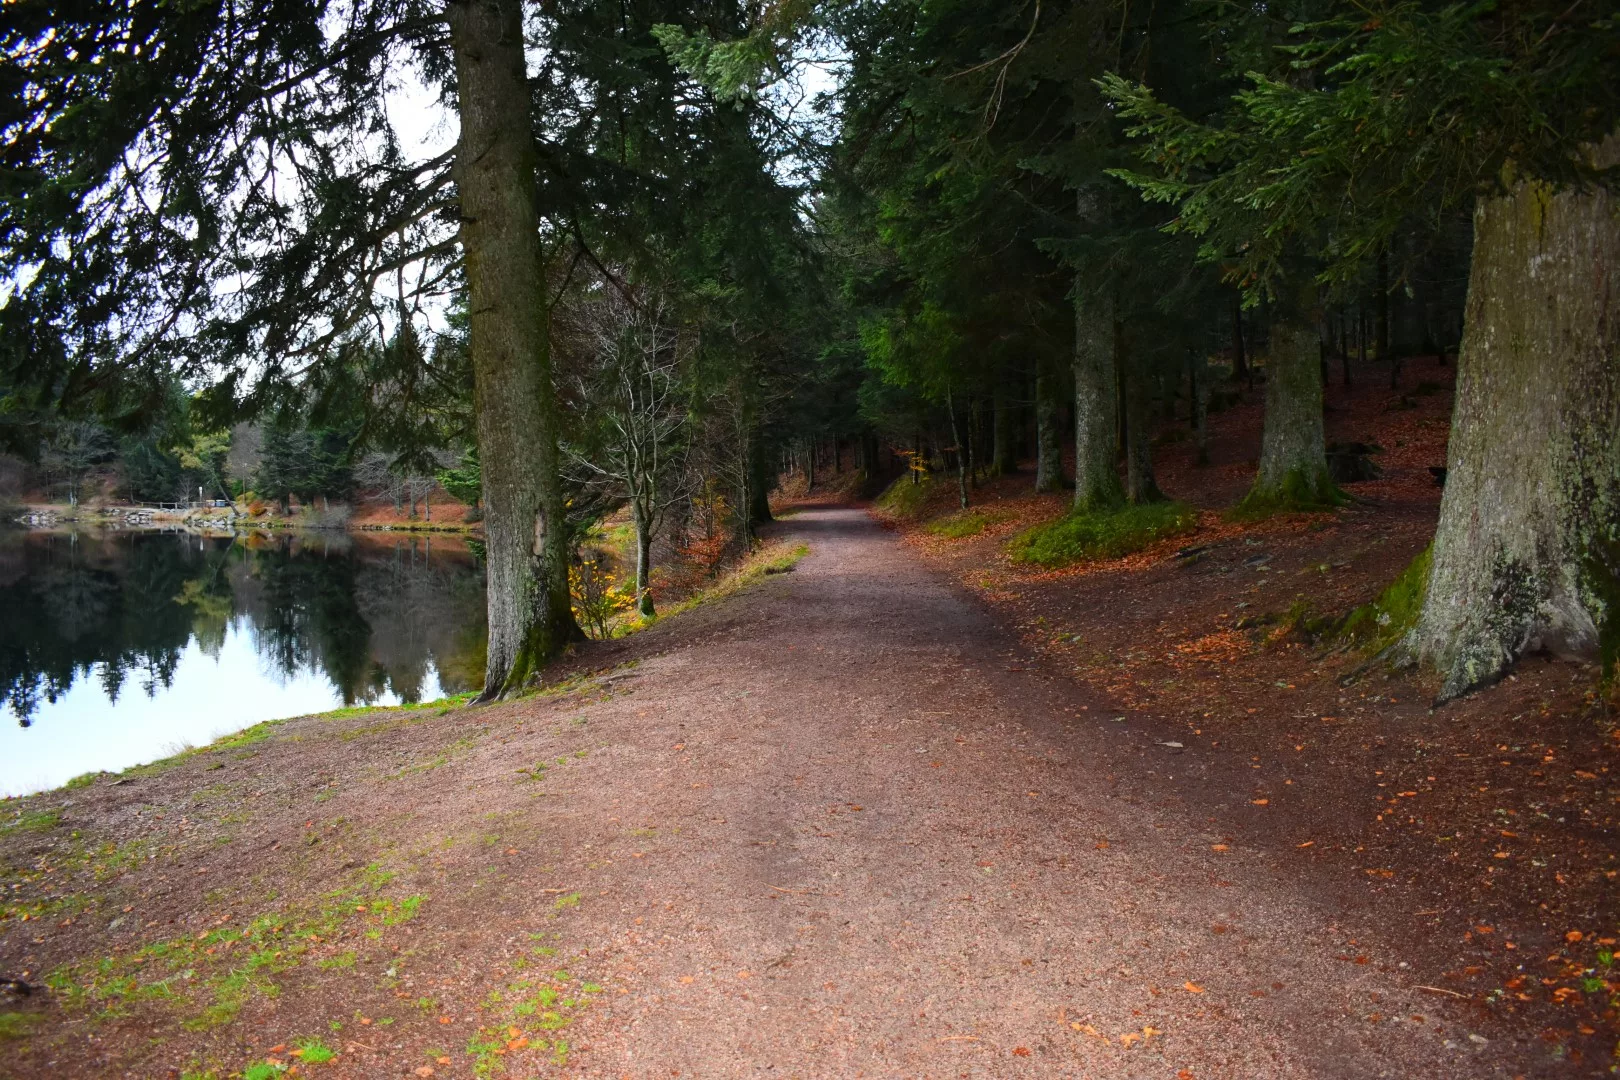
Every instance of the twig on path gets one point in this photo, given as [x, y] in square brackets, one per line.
[1442, 990]
[796, 892]
[960, 1038]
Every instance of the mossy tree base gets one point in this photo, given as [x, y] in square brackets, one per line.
[1298, 492]
[1527, 551]
[1293, 455]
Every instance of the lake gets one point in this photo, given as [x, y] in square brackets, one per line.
[119, 648]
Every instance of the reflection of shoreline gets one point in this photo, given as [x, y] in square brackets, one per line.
[375, 613]
[119, 517]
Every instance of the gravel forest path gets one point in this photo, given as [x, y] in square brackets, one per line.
[906, 853]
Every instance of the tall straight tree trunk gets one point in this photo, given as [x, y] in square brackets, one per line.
[1001, 452]
[1048, 447]
[961, 452]
[1240, 361]
[525, 536]
[1293, 452]
[1096, 390]
[1198, 378]
[810, 467]
[1385, 352]
[761, 481]
[1527, 552]
[1139, 485]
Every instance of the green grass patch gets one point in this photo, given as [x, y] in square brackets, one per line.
[314, 1052]
[965, 523]
[33, 821]
[1105, 534]
[903, 499]
[208, 977]
[15, 1025]
[768, 559]
[1380, 624]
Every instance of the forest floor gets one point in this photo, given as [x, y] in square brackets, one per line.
[909, 810]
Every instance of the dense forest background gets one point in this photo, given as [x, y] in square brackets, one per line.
[679, 254]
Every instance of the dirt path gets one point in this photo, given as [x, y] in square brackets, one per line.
[920, 859]
[834, 826]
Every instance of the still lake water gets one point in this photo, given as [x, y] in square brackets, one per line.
[119, 648]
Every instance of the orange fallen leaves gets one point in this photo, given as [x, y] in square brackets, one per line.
[1261, 802]
[1192, 987]
[1021, 1051]
[1573, 936]
[1220, 847]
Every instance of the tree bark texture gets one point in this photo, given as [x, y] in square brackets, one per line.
[761, 480]
[1048, 447]
[642, 516]
[1527, 552]
[1139, 484]
[1096, 394]
[1002, 459]
[1198, 388]
[525, 537]
[1293, 452]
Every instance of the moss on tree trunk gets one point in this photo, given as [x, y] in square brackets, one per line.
[1527, 552]
[1096, 389]
[1293, 453]
[525, 535]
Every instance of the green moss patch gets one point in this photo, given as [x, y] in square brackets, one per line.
[1378, 625]
[965, 523]
[1107, 534]
[1298, 493]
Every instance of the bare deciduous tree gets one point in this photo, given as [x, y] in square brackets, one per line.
[631, 383]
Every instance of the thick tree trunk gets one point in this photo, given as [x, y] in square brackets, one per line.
[761, 481]
[1048, 447]
[1293, 454]
[525, 536]
[1139, 484]
[1527, 552]
[1096, 391]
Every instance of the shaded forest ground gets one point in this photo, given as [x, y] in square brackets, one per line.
[1483, 831]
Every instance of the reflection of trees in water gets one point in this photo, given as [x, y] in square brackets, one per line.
[419, 604]
[83, 602]
[371, 618]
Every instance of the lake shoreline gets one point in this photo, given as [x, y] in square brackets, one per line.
[133, 517]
